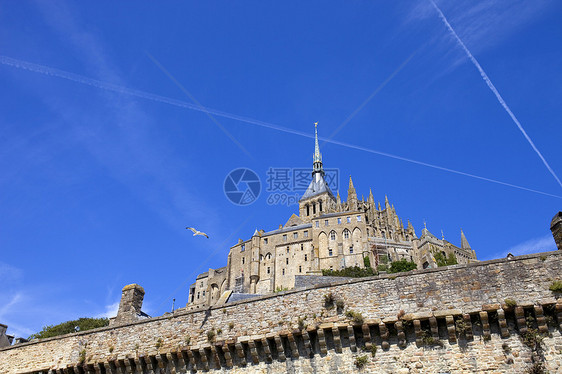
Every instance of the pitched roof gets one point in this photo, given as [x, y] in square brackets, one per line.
[317, 187]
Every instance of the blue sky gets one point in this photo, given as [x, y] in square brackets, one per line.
[98, 182]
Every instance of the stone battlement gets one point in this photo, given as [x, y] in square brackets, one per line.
[409, 317]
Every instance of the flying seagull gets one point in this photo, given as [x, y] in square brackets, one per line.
[197, 232]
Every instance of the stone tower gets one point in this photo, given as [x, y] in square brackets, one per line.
[130, 304]
[556, 228]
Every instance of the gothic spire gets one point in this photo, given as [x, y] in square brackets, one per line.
[317, 155]
[351, 196]
[371, 198]
[317, 158]
[464, 242]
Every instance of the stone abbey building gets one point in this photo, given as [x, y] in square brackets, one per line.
[328, 233]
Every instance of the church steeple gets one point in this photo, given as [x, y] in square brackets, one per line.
[464, 242]
[317, 170]
[351, 196]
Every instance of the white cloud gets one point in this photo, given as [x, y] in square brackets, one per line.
[481, 24]
[9, 273]
[110, 311]
[542, 244]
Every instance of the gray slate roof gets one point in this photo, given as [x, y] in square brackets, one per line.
[316, 188]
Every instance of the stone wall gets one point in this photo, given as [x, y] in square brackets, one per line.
[457, 319]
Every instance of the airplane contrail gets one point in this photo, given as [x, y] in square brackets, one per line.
[36, 68]
[494, 90]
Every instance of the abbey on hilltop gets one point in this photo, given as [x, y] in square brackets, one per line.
[326, 234]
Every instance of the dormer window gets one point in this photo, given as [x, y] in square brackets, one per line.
[320, 203]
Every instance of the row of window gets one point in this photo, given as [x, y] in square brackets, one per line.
[295, 236]
[266, 240]
[327, 222]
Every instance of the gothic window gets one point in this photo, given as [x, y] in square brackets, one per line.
[346, 234]
[332, 235]
[314, 208]
[320, 204]
[307, 209]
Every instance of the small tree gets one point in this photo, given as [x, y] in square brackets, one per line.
[401, 266]
[443, 260]
[82, 324]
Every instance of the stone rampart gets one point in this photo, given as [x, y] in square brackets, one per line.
[495, 316]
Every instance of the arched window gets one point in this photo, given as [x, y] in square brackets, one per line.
[332, 235]
[346, 234]
[313, 208]
[307, 209]
[320, 203]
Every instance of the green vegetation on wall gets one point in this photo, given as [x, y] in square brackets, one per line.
[353, 272]
[402, 265]
[68, 327]
[442, 260]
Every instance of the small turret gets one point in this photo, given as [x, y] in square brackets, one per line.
[464, 242]
[556, 228]
[351, 196]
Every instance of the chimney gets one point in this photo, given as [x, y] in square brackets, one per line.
[131, 304]
[556, 228]
[5, 341]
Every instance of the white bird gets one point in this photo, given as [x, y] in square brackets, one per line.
[197, 232]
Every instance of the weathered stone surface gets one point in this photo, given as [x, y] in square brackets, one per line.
[132, 347]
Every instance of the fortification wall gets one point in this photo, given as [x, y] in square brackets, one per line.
[450, 319]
